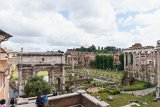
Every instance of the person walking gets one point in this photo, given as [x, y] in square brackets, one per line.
[12, 102]
[3, 101]
[39, 101]
[45, 101]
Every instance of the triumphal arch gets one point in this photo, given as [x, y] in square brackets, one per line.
[30, 63]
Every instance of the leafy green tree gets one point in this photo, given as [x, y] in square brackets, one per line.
[102, 62]
[98, 47]
[110, 62]
[37, 86]
[92, 48]
[98, 61]
[121, 65]
[102, 48]
[105, 62]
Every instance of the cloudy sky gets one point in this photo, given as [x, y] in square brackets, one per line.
[41, 25]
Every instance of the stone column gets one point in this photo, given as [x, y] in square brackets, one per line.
[155, 67]
[129, 61]
[133, 66]
[139, 68]
[158, 70]
[72, 70]
[124, 61]
[152, 64]
[52, 78]
[21, 87]
[20, 75]
[63, 78]
[146, 73]
[33, 71]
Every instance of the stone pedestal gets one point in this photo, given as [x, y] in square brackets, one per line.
[21, 90]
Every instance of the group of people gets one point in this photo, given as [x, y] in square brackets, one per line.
[2, 103]
[42, 101]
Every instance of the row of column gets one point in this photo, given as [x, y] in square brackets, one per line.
[127, 61]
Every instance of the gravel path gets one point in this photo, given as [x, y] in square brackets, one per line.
[141, 92]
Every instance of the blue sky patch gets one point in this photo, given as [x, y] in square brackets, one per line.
[65, 13]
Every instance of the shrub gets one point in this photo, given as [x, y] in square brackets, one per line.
[110, 91]
[36, 86]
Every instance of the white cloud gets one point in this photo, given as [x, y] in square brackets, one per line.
[39, 25]
[124, 6]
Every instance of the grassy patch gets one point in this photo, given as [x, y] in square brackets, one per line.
[124, 99]
[138, 85]
[15, 75]
[42, 73]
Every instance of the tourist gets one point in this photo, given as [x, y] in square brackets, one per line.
[3, 101]
[12, 101]
[55, 93]
[39, 101]
[45, 101]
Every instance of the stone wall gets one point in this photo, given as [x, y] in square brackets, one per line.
[77, 98]
[65, 101]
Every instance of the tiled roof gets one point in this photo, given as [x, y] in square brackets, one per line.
[4, 35]
[2, 50]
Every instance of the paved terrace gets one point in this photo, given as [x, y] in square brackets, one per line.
[76, 99]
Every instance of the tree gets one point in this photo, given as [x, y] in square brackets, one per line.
[121, 65]
[101, 48]
[36, 86]
[110, 62]
[92, 48]
[59, 51]
[102, 62]
[98, 47]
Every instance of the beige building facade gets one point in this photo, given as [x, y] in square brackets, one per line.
[5, 68]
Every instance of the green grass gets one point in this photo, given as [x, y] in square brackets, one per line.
[15, 75]
[42, 73]
[124, 99]
[138, 85]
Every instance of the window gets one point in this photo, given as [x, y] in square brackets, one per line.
[42, 59]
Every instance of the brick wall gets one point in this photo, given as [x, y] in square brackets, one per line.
[65, 102]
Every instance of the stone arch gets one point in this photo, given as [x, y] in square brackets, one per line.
[30, 63]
